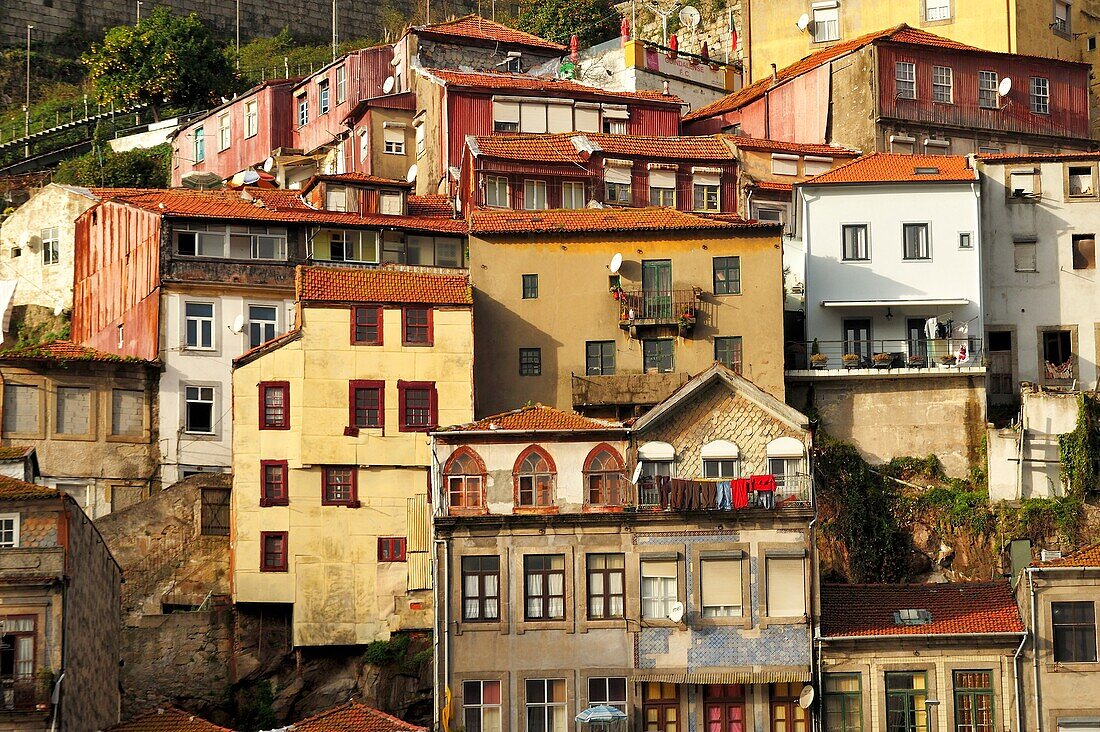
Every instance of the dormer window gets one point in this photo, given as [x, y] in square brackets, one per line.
[391, 202]
[912, 616]
[336, 198]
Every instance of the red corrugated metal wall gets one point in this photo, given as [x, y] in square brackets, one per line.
[662, 121]
[468, 114]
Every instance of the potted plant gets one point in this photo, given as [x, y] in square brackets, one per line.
[851, 360]
[882, 360]
[947, 360]
[818, 360]
[917, 362]
[616, 292]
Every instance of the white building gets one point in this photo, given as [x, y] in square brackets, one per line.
[892, 265]
[1040, 217]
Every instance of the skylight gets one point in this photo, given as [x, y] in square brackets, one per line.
[926, 171]
[912, 616]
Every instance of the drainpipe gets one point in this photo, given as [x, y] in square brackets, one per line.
[1034, 650]
[1018, 679]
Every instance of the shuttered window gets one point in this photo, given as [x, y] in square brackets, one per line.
[786, 586]
[721, 587]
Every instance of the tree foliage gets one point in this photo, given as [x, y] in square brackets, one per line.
[592, 21]
[106, 168]
[164, 59]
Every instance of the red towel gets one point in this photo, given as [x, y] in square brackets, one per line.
[739, 489]
[763, 483]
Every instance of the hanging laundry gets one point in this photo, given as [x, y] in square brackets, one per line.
[764, 486]
[709, 495]
[930, 327]
[724, 501]
[739, 490]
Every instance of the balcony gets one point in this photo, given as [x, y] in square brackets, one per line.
[1007, 117]
[791, 492]
[645, 308]
[25, 693]
[624, 390]
[917, 356]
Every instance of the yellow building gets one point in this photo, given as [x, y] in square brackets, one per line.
[330, 449]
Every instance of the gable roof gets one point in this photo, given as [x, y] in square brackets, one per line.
[353, 179]
[15, 453]
[13, 489]
[799, 148]
[964, 608]
[357, 284]
[498, 81]
[535, 418]
[735, 381]
[167, 720]
[352, 716]
[475, 27]
[880, 167]
[1086, 557]
[65, 351]
[562, 221]
[567, 147]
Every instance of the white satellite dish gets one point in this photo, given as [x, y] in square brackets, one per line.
[676, 612]
[806, 698]
[1005, 86]
[269, 165]
[616, 263]
[388, 85]
[238, 324]
[411, 175]
[803, 22]
[689, 16]
[250, 177]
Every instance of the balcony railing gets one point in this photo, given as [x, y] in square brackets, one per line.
[24, 693]
[1005, 117]
[659, 307]
[916, 353]
[791, 491]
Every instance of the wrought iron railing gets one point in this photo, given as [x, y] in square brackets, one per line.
[791, 491]
[25, 693]
[914, 353]
[658, 307]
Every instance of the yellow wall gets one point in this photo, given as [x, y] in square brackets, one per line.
[342, 595]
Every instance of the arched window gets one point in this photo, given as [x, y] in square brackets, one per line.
[465, 476]
[720, 459]
[534, 474]
[603, 477]
[787, 462]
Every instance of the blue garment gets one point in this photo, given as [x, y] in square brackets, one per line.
[725, 496]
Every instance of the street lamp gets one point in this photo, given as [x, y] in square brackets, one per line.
[139, 4]
[27, 105]
[929, 705]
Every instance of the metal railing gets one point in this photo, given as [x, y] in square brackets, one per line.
[791, 491]
[24, 693]
[658, 307]
[1007, 116]
[878, 353]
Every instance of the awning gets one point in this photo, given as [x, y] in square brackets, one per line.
[724, 677]
[928, 302]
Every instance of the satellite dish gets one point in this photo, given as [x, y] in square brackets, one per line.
[250, 177]
[676, 612]
[388, 85]
[238, 324]
[806, 698]
[58, 308]
[689, 16]
[803, 22]
[1005, 86]
[269, 165]
[202, 180]
[411, 175]
[616, 263]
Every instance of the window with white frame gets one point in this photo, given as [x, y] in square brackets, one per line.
[617, 184]
[394, 140]
[199, 410]
[721, 586]
[1061, 18]
[199, 325]
[496, 192]
[244, 242]
[988, 95]
[391, 202]
[353, 246]
[1023, 183]
[1040, 95]
[9, 530]
[615, 117]
[534, 195]
[51, 249]
[336, 198]
[720, 459]
[785, 576]
[263, 322]
[572, 194]
[225, 137]
[481, 709]
[705, 192]
[943, 84]
[421, 141]
[303, 109]
[322, 97]
[937, 10]
[659, 590]
[966, 240]
[905, 80]
[826, 17]
[545, 704]
[607, 691]
[505, 116]
[784, 164]
[662, 188]
[364, 144]
[341, 84]
[199, 140]
[251, 119]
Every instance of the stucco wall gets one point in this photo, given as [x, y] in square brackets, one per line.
[1045, 416]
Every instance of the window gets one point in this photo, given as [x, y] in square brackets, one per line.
[720, 585]
[200, 144]
[262, 322]
[496, 191]
[394, 141]
[544, 586]
[534, 478]
[418, 406]
[245, 242]
[856, 245]
[905, 76]
[481, 706]
[614, 126]
[251, 119]
[74, 405]
[545, 704]
[127, 412]
[942, 83]
[603, 478]
[1061, 18]
[9, 531]
[20, 412]
[916, 244]
[1074, 629]
[465, 476]
[657, 356]
[1092, 43]
[988, 96]
[937, 10]
[199, 410]
[1040, 95]
[391, 204]
[225, 137]
[530, 286]
[1058, 354]
[658, 588]
[214, 512]
[764, 213]
[607, 691]
[421, 141]
[273, 483]
[505, 116]
[341, 84]
[572, 195]
[480, 589]
[973, 701]
[1023, 183]
[705, 193]
[322, 97]
[906, 693]
[662, 188]
[727, 275]
[606, 586]
[51, 249]
[534, 195]
[966, 240]
[1084, 251]
[273, 551]
[303, 110]
[786, 592]
[339, 486]
[784, 164]
[275, 405]
[1081, 181]
[1024, 254]
[530, 362]
[720, 459]
[367, 404]
[843, 703]
[336, 198]
[661, 707]
[17, 660]
[366, 326]
[416, 326]
[826, 23]
[599, 358]
[199, 322]
[618, 193]
[391, 548]
[16, 252]
[727, 351]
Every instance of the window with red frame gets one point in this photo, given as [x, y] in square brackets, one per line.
[273, 483]
[273, 551]
[275, 405]
[464, 482]
[367, 404]
[418, 405]
[339, 486]
[416, 326]
[366, 326]
[535, 476]
[391, 549]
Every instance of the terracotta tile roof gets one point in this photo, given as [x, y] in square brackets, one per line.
[474, 26]
[800, 148]
[275, 343]
[1088, 556]
[12, 453]
[508, 221]
[500, 81]
[348, 284]
[430, 205]
[1037, 157]
[167, 720]
[534, 417]
[894, 168]
[64, 351]
[560, 147]
[353, 178]
[13, 489]
[767, 185]
[956, 608]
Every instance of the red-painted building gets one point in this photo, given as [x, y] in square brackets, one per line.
[904, 90]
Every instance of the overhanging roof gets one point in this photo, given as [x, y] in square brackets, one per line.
[919, 302]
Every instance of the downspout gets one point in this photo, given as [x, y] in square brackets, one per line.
[746, 26]
[1034, 650]
[441, 584]
[1017, 678]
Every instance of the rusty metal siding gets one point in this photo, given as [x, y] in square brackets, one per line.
[729, 194]
[373, 66]
[659, 121]
[469, 114]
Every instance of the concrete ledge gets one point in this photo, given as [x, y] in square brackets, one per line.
[939, 372]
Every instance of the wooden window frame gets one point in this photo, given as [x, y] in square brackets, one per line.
[403, 388]
[516, 478]
[546, 595]
[283, 498]
[622, 488]
[481, 476]
[430, 326]
[973, 694]
[606, 595]
[284, 566]
[264, 388]
[380, 314]
[392, 549]
[354, 386]
[481, 597]
[352, 501]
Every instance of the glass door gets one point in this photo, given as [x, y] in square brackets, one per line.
[657, 288]
[857, 338]
[787, 715]
[660, 707]
[916, 334]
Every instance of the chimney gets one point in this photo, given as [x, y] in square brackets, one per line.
[665, 89]
[775, 73]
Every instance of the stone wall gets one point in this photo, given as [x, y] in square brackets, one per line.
[713, 28]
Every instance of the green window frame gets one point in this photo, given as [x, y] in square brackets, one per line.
[727, 351]
[658, 356]
[844, 702]
[974, 701]
[906, 694]
[530, 286]
[727, 275]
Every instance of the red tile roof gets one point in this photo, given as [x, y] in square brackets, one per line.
[1037, 157]
[13, 489]
[64, 351]
[354, 717]
[476, 27]
[894, 168]
[15, 452]
[167, 720]
[534, 417]
[508, 221]
[767, 185]
[1088, 556]
[964, 608]
[348, 284]
[430, 205]
[499, 81]
[353, 178]
[799, 148]
[560, 147]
